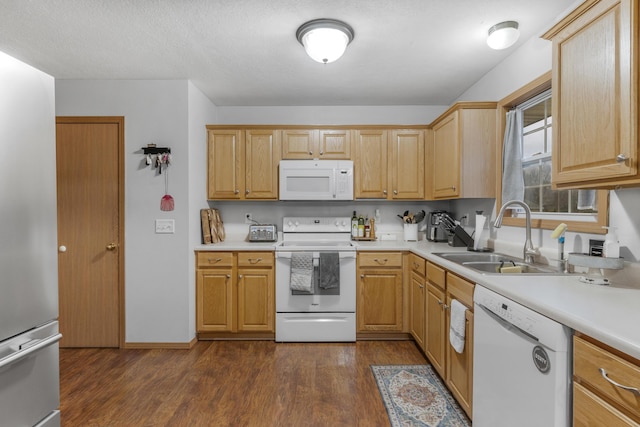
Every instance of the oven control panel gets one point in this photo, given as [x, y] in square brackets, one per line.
[316, 224]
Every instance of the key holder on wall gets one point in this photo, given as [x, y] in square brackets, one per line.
[157, 156]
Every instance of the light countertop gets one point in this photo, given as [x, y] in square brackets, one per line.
[610, 314]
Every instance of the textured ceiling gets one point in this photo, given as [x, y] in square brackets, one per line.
[244, 52]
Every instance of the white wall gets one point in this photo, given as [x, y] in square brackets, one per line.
[158, 274]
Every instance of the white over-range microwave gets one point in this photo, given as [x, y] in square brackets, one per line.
[316, 180]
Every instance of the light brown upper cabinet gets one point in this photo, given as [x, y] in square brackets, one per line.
[389, 164]
[462, 152]
[595, 96]
[316, 144]
[242, 164]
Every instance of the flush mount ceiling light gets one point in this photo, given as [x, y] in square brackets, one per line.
[325, 40]
[503, 35]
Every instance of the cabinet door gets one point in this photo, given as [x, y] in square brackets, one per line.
[379, 303]
[334, 144]
[224, 164]
[262, 155]
[446, 158]
[214, 300]
[407, 164]
[256, 304]
[595, 95]
[299, 144]
[459, 366]
[436, 323]
[418, 298]
[371, 167]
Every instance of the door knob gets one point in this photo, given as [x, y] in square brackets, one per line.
[111, 247]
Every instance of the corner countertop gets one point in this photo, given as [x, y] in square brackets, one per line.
[610, 314]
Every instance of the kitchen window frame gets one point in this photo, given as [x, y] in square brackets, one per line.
[528, 91]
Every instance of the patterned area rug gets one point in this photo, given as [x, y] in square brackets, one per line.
[414, 395]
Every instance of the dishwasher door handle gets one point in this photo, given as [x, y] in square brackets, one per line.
[508, 325]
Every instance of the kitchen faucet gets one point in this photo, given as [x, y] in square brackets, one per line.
[529, 252]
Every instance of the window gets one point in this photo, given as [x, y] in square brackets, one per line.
[537, 139]
[549, 207]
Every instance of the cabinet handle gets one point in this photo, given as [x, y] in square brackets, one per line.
[322, 153]
[382, 262]
[421, 286]
[311, 153]
[239, 276]
[444, 307]
[362, 276]
[453, 187]
[254, 260]
[246, 192]
[384, 192]
[228, 276]
[440, 302]
[237, 192]
[621, 158]
[624, 387]
[111, 247]
[395, 191]
[213, 261]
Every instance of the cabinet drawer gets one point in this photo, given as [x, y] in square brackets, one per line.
[588, 359]
[380, 259]
[417, 264]
[590, 410]
[460, 289]
[255, 259]
[214, 259]
[436, 275]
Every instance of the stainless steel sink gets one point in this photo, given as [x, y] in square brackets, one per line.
[491, 262]
[462, 257]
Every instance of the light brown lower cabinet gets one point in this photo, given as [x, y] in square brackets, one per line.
[235, 293]
[603, 382]
[379, 292]
[456, 369]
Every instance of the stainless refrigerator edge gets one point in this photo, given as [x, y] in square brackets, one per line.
[29, 355]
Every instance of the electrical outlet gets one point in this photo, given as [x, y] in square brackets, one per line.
[248, 218]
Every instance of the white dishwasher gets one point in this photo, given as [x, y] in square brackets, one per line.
[521, 365]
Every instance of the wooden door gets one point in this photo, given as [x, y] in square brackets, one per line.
[371, 168]
[89, 161]
[380, 300]
[407, 164]
[335, 144]
[262, 154]
[435, 328]
[299, 144]
[418, 309]
[215, 302]
[225, 164]
[595, 111]
[256, 299]
[446, 158]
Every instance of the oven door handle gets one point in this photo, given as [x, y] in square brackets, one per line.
[316, 255]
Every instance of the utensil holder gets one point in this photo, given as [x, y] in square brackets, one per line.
[411, 232]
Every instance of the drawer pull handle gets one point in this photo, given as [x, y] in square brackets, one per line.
[381, 261]
[254, 260]
[624, 387]
[621, 158]
[213, 261]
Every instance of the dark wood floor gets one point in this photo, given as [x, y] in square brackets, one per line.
[229, 383]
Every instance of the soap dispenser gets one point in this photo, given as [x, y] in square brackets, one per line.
[611, 247]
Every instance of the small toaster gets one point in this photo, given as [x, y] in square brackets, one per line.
[263, 233]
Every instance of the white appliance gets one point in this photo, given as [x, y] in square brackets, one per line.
[29, 360]
[521, 365]
[316, 180]
[324, 314]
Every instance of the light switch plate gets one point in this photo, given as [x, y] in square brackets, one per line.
[165, 226]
